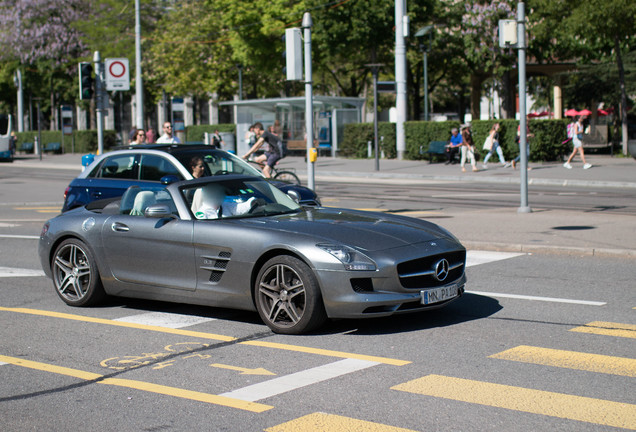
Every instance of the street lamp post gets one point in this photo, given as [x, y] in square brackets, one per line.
[425, 48]
[375, 67]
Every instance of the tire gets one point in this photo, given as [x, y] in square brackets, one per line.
[75, 274]
[287, 177]
[287, 296]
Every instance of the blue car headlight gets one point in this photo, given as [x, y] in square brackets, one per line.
[349, 257]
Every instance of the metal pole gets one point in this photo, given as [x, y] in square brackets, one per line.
[309, 105]
[523, 140]
[99, 101]
[18, 79]
[139, 85]
[400, 78]
[38, 148]
[375, 118]
[425, 85]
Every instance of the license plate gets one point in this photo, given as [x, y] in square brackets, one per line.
[436, 295]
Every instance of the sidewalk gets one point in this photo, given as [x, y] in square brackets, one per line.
[543, 230]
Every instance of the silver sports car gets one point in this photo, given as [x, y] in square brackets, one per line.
[238, 242]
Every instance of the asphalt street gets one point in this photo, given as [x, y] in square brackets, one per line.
[542, 340]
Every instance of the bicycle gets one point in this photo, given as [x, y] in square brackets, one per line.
[285, 175]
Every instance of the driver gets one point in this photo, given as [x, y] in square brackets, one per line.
[210, 202]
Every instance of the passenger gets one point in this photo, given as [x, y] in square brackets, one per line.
[197, 167]
[208, 202]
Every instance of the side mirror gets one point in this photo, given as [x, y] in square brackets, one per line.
[159, 211]
[167, 179]
[294, 195]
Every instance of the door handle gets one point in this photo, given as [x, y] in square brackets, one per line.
[119, 227]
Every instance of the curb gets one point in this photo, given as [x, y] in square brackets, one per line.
[556, 250]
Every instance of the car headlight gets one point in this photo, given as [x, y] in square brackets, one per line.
[349, 257]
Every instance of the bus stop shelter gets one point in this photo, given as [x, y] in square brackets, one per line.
[330, 116]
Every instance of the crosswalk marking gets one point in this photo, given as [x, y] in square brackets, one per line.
[19, 272]
[297, 380]
[570, 360]
[324, 422]
[608, 329]
[590, 410]
[165, 319]
[537, 298]
[474, 258]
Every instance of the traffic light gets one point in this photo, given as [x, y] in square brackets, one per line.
[85, 80]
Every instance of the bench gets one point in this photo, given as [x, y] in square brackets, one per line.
[26, 147]
[435, 148]
[53, 147]
[296, 145]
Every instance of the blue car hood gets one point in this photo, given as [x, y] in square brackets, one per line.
[362, 230]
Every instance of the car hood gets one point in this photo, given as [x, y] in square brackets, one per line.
[362, 230]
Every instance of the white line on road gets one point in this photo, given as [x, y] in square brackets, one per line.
[537, 298]
[165, 319]
[28, 237]
[474, 258]
[297, 380]
[18, 272]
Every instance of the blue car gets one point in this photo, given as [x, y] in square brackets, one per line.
[153, 166]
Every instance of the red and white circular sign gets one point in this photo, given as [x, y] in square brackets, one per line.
[117, 69]
[117, 74]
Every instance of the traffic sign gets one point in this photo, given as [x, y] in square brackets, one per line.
[117, 74]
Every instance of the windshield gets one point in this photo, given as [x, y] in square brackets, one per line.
[215, 162]
[237, 198]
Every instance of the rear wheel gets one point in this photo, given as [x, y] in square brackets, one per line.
[287, 296]
[75, 274]
[287, 177]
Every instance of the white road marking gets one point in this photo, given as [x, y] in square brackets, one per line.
[19, 236]
[18, 272]
[165, 319]
[297, 380]
[8, 225]
[474, 258]
[537, 298]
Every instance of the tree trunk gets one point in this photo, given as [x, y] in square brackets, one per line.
[621, 80]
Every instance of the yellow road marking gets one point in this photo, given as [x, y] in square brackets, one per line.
[47, 209]
[608, 329]
[547, 403]
[188, 394]
[328, 353]
[60, 370]
[141, 385]
[332, 423]
[203, 335]
[414, 213]
[119, 323]
[570, 360]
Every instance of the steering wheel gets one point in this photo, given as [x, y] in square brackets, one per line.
[257, 203]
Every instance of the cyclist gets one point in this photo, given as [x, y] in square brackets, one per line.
[272, 155]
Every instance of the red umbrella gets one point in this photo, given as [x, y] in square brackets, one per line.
[602, 112]
[571, 113]
[585, 112]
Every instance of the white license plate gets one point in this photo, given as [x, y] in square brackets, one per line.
[436, 295]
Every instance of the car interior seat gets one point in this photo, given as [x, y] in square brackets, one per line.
[142, 201]
[128, 199]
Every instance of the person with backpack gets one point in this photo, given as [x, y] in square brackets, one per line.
[577, 138]
[273, 153]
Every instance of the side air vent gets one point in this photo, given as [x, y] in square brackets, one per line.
[216, 265]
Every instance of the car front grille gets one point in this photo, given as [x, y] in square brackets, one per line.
[421, 272]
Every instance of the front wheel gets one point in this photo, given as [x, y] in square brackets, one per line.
[287, 177]
[287, 296]
[75, 274]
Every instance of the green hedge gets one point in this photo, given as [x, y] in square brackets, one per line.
[196, 132]
[85, 140]
[545, 146]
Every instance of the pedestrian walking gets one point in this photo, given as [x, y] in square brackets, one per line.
[140, 137]
[577, 138]
[492, 145]
[518, 141]
[468, 148]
